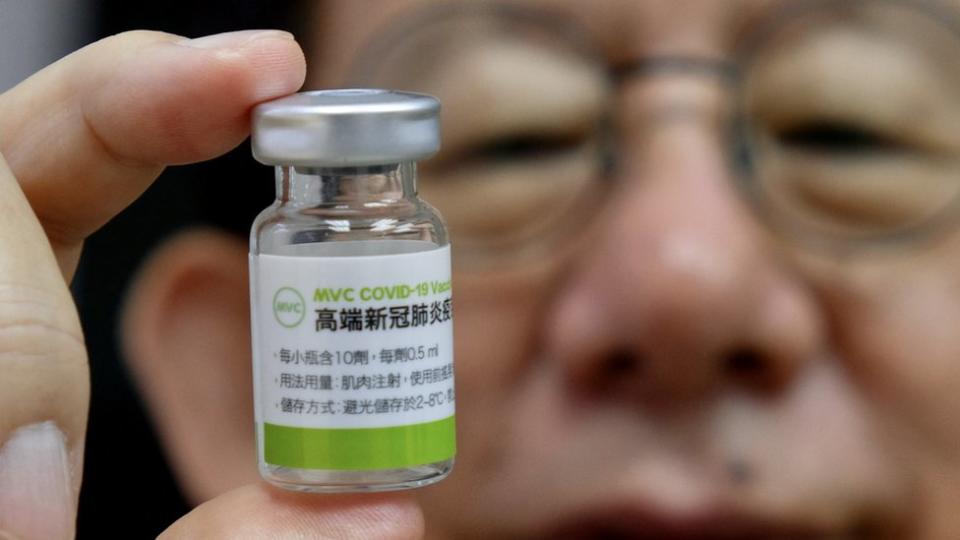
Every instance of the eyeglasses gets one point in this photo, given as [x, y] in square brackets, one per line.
[848, 123]
[846, 131]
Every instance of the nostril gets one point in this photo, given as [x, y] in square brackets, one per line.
[744, 363]
[617, 369]
[752, 369]
[621, 363]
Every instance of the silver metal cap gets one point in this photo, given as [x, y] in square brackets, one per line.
[346, 128]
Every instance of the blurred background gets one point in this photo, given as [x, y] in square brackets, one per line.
[34, 33]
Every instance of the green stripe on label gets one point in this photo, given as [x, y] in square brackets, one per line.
[360, 448]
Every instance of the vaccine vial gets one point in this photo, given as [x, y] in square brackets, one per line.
[352, 325]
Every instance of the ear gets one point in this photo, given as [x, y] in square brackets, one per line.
[186, 328]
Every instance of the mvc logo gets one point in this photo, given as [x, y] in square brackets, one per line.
[288, 307]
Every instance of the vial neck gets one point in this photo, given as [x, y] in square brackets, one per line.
[346, 186]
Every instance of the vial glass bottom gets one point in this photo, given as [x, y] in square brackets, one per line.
[337, 481]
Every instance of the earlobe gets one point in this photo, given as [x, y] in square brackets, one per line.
[185, 336]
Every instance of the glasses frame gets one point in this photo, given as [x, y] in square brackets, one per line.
[743, 148]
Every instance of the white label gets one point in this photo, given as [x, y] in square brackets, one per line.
[352, 341]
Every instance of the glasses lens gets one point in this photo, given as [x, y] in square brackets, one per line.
[850, 119]
[524, 104]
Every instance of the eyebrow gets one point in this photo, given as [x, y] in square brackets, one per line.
[560, 23]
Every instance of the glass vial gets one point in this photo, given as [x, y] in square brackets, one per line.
[350, 296]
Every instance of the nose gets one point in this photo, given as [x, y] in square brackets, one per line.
[681, 294]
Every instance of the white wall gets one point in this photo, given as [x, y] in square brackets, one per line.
[34, 33]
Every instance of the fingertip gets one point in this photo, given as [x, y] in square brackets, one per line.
[278, 64]
[180, 101]
[273, 59]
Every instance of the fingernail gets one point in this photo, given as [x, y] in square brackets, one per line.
[36, 497]
[233, 40]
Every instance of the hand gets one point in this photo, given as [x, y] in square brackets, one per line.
[82, 139]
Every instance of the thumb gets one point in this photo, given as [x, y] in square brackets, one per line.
[264, 512]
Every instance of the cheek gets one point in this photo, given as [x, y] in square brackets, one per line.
[897, 326]
[499, 317]
[496, 324]
[494, 334]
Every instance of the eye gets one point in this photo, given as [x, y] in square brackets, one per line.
[838, 139]
[523, 147]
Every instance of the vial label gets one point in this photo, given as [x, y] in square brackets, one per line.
[353, 360]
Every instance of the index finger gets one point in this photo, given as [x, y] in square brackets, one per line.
[87, 135]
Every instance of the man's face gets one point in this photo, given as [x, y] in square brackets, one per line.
[655, 362]
[675, 370]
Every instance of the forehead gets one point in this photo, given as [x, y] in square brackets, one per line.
[623, 29]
